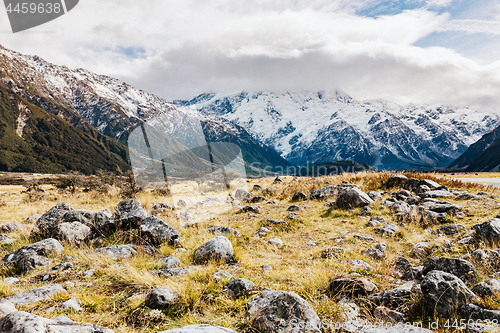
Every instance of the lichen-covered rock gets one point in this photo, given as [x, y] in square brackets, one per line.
[474, 312]
[159, 298]
[46, 225]
[237, 287]
[36, 295]
[489, 232]
[352, 287]
[352, 198]
[241, 194]
[323, 193]
[23, 322]
[218, 248]
[129, 214]
[42, 248]
[220, 230]
[281, 311]
[444, 293]
[73, 232]
[462, 269]
[299, 196]
[487, 288]
[156, 231]
[117, 251]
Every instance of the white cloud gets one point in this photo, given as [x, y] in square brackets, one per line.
[185, 48]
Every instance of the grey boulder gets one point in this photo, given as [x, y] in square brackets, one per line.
[36, 295]
[462, 269]
[218, 248]
[353, 197]
[487, 288]
[274, 311]
[117, 251]
[159, 298]
[237, 287]
[129, 214]
[156, 231]
[42, 248]
[489, 232]
[46, 226]
[23, 322]
[444, 293]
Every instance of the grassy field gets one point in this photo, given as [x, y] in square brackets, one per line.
[114, 296]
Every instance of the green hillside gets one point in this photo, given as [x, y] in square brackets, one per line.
[49, 144]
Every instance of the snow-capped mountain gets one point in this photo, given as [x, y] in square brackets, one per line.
[311, 127]
[115, 108]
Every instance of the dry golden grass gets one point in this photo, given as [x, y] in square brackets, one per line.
[114, 296]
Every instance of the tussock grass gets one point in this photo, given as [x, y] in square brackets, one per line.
[114, 296]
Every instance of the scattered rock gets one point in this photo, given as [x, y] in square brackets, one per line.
[222, 275]
[249, 209]
[31, 262]
[256, 199]
[489, 259]
[257, 188]
[242, 194]
[466, 240]
[400, 207]
[293, 208]
[451, 229]
[275, 222]
[487, 288]
[32, 219]
[12, 227]
[436, 194]
[364, 238]
[184, 203]
[218, 248]
[299, 196]
[42, 248]
[387, 315]
[262, 232]
[238, 287]
[159, 298]
[467, 196]
[171, 272]
[36, 295]
[170, 262]
[396, 180]
[332, 252]
[352, 287]
[270, 191]
[156, 231]
[6, 239]
[266, 267]
[46, 225]
[444, 293]
[11, 280]
[274, 311]
[72, 304]
[223, 231]
[387, 230]
[23, 322]
[376, 220]
[275, 242]
[375, 196]
[129, 214]
[462, 269]
[474, 312]
[481, 328]
[117, 251]
[352, 198]
[489, 232]
[373, 253]
[323, 193]
[73, 232]
[397, 298]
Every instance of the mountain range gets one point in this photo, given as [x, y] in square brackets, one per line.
[315, 127]
[55, 119]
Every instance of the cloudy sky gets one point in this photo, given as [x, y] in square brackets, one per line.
[423, 51]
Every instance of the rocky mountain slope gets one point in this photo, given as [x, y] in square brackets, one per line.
[311, 127]
[484, 155]
[32, 139]
[115, 108]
